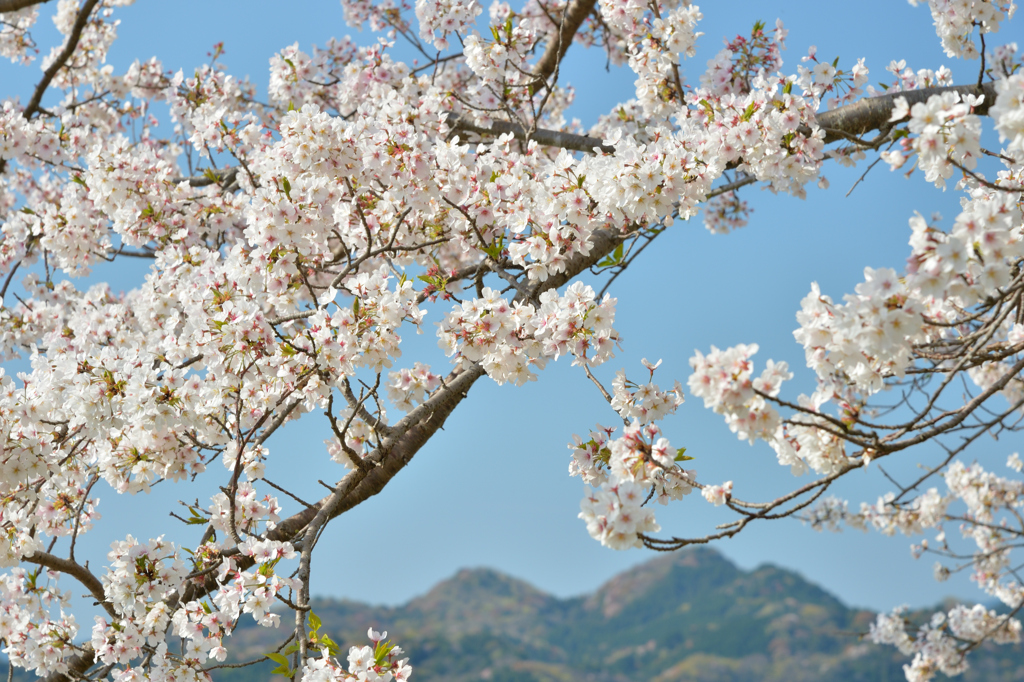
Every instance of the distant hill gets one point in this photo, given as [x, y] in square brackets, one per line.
[689, 616]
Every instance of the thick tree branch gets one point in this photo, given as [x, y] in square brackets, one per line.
[550, 138]
[76, 571]
[62, 58]
[411, 433]
[223, 177]
[872, 113]
[15, 5]
[863, 116]
[558, 44]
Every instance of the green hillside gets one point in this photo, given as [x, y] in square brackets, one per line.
[688, 616]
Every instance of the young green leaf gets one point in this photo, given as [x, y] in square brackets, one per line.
[282, 668]
[681, 456]
[314, 622]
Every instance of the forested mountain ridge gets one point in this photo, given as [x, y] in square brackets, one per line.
[688, 616]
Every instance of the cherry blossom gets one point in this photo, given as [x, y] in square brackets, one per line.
[294, 242]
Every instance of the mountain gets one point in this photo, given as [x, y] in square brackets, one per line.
[689, 616]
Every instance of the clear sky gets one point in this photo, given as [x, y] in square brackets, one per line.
[492, 489]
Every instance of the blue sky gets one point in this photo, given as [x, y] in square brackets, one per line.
[492, 489]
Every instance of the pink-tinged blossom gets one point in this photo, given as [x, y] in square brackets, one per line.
[644, 402]
[724, 379]
[955, 22]
[439, 18]
[614, 515]
[948, 135]
[717, 494]
[360, 199]
[624, 472]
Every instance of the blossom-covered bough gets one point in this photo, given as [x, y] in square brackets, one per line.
[293, 242]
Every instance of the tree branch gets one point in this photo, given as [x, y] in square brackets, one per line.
[78, 572]
[863, 116]
[15, 5]
[62, 58]
[550, 138]
[871, 113]
[558, 44]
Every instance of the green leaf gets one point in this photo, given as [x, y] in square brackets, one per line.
[708, 108]
[787, 88]
[77, 179]
[282, 668]
[28, 211]
[355, 306]
[332, 647]
[835, 63]
[314, 620]
[287, 187]
[749, 111]
[289, 63]
[495, 249]
[681, 456]
[381, 652]
[614, 259]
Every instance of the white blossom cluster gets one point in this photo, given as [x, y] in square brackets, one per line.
[955, 21]
[294, 242]
[380, 663]
[144, 579]
[508, 339]
[823, 78]
[1008, 113]
[948, 135]
[15, 40]
[411, 386]
[627, 472]
[439, 18]
[936, 645]
[36, 640]
[637, 463]
[725, 380]
[644, 402]
[986, 497]
[906, 78]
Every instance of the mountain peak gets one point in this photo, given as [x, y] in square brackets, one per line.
[472, 585]
[477, 599]
[688, 616]
[677, 572]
